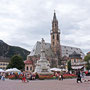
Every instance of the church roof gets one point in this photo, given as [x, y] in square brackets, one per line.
[66, 50]
[75, 55]
[28, 62]
[88, 52]
[37, 49]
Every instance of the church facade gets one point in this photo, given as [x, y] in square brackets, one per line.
[54, 50]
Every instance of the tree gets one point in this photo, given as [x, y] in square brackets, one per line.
[16, 62]
[87, 59]
[69, 65]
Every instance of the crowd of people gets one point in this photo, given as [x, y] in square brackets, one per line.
[24, 76]
[32, 76]
[29, 76]
[81, 76]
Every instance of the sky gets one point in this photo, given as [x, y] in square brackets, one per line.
[24, 22]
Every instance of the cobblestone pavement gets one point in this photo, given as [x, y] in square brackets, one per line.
[67, 84]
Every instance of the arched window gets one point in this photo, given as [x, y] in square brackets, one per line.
[57, 37]
[27, 67]
[53, 36]
[53, 43]
[30, 68]
[55, 24]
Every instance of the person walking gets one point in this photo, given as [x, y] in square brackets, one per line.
[3, 77]
[24, 77]
[61, 76]
[27, 77]
[79, 77]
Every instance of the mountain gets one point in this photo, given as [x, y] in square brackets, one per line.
[7, 51]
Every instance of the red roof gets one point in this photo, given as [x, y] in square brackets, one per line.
[28, 62]
[88, 52]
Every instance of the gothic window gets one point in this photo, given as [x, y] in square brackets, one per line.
[30, 68]
[54, 25]
[53, 36]
[53, 43]
[27, 67]
[57, 37]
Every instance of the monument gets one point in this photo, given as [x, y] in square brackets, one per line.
[43, 65]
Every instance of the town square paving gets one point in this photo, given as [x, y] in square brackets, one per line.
[66, 84]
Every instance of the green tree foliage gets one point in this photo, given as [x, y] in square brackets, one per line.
[69, 65]
[16, 62]
[87, 59]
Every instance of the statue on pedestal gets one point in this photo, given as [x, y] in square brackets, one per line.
[43, 65]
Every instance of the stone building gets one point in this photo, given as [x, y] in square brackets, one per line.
[76, 61]
[55, 39]
[29, 65]
[54, 50]
[4, 62]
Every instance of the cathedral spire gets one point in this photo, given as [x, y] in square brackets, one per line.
[54, 17]
[55, 38]
[54, 23]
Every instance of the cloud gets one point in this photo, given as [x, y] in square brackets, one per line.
[24, 22]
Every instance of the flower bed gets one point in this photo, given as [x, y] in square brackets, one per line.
[15, 76]
[47, 76]
[69, 76]
[65, 76]
[20, 76]
[11, 76]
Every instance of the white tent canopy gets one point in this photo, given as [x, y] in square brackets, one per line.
[57, 69]
[12, 70]
[77, 67]
[1, 70]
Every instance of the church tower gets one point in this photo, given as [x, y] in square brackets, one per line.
[55, 37]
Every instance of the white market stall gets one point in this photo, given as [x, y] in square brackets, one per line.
[1, 70]
[77, 67]
[57, 69]
[12, 70]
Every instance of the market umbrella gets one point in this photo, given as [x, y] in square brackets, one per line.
[55, 69]
[63, 69]
[1, 70]
[16, 70]
[12, 70]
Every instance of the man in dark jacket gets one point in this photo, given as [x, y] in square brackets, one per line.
[78, 76]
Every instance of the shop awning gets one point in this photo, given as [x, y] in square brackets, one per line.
[77, 67]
